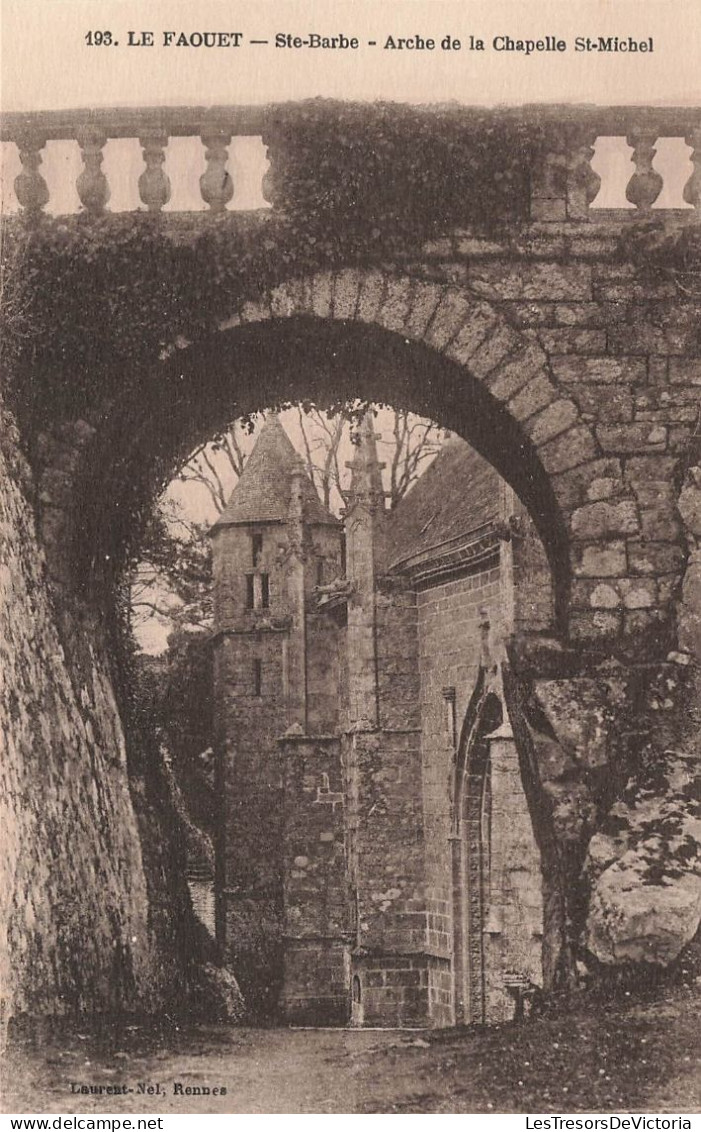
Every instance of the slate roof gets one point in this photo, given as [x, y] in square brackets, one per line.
[458, 494]
[262, 494]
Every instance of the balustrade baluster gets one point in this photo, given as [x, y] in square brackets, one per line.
[645, 185]
[583, 182]
[30, 187]
[154, 182]
[92, 186]
[216, 186]
[692, 188]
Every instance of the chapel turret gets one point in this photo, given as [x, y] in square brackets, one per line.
[271, 546]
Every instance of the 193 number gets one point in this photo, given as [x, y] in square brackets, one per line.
[99, 39]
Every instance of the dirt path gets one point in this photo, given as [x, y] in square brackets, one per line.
[615, 1058]
[267, 1071]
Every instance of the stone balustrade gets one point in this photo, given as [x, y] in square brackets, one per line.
[153, 128]
[564, 185]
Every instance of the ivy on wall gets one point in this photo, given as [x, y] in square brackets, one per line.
[392, 174]
[88, 303]
[671, 253]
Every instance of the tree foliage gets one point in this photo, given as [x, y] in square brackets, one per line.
[173, 577]
[176, 690]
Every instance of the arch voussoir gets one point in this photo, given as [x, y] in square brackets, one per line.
[571, 448]
[464, 327]
[553, 419]
[451, 315]
[476, 329]
[599, 478]
[322, 294]
[394, 309]
[502, 344]
[532, 398]
[425, 301]
[372, 293]
[515, 371]
[346, 292]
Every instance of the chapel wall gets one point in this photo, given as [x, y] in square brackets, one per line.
[452, 623]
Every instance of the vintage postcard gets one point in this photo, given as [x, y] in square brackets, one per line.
[350, 560]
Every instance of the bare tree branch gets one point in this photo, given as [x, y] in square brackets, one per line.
[172, 581]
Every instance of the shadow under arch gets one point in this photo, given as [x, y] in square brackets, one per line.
[234, 372]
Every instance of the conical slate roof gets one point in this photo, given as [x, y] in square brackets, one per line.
[262, 494]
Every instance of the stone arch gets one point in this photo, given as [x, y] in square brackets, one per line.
[449, 354]
[458, 324]
[449, 333]
[470, 370]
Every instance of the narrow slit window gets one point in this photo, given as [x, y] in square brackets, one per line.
[264, 591]
[250, 591]
[320, 571]
[450, 715]
[257, 677]
[256, 548]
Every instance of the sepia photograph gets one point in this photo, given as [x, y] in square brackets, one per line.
[350, 561]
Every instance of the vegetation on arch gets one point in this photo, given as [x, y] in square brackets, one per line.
[393, 172]
[89, 305]
[670, 253]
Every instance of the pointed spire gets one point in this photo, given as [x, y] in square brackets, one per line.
[262, 494]
[366, 470]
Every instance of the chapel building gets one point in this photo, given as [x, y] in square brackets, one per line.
[377, 862]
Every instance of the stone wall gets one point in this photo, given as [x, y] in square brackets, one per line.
[455, 619]
[99, 917]
[317, 908]
[397, 657]
[386, 871]
[534, 606]
[323, 674]
[616, 351]
[644, 863]
[74, 892]
[248, 726]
